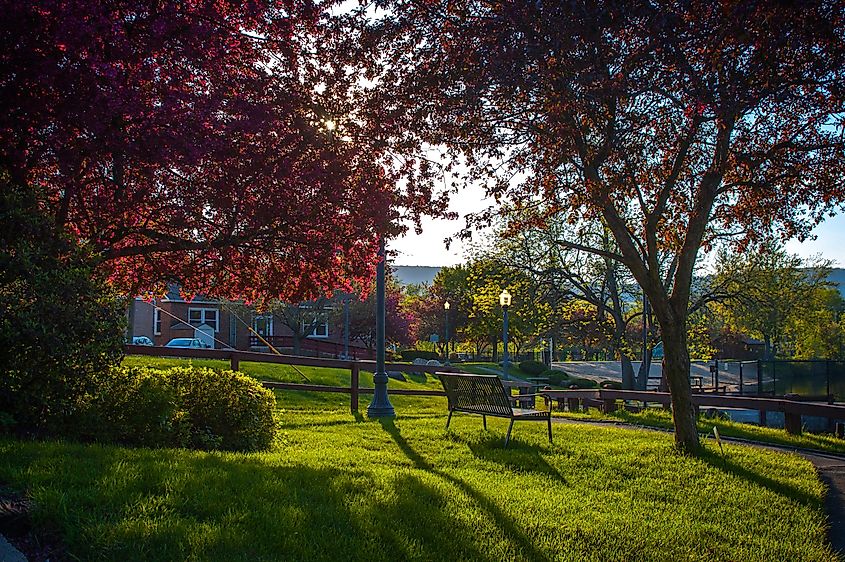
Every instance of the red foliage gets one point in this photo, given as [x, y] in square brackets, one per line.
[186, 141]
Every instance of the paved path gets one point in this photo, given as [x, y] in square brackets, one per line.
[830, 466]
[9, 553]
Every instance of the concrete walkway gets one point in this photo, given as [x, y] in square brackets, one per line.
[9, 553]
[830, 467]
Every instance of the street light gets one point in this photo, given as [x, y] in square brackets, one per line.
[505, 301]
[446, 306]
[380, 406]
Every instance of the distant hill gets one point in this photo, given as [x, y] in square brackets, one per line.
[415, 274]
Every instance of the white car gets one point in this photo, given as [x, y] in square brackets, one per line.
[190, 343]
[142, 340]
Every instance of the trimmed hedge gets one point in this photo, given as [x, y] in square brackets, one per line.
[411, 354]
[577, 382]
[198, 408]
[532, 367]
[555, 376]
[615, 385]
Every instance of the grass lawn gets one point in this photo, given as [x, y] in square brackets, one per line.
[660, 418]
[340, 487]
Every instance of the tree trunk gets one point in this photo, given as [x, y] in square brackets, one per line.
[296, 344]
[677, 364]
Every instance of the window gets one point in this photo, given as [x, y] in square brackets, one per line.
[263, 325]
[319, 322]
[199, 316]
[157, 321]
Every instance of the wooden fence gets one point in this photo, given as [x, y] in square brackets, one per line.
[607, 399]
[791, 407]
[235, 357]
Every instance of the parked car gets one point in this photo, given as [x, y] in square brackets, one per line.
[192, 343]
[142, 340]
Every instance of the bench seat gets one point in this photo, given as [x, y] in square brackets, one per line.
[485, 395]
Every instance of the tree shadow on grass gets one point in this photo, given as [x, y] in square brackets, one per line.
[140, 504]
[517, 457]
[500, 518]
[726, 464]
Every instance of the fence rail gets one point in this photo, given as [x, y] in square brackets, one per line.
[235, 357]
[792, 409]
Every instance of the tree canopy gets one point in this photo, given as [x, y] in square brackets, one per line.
[677, 125]
[201, 142]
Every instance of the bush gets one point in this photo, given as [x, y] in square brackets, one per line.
[411, 354]
[582, 383]
[555, 376]
[615, 385]
[60, 323]
[532, 367]
[190, 407]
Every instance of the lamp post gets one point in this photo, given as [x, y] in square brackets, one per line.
[380, 406]
[505, 301]
[346, 298]
[446, 306]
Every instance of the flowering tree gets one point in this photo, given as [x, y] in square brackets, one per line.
[201, 142]
[676, 125]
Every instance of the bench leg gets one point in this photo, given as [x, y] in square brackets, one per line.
[550, 429]
[449, 420]
[484, 421]
[508, 437]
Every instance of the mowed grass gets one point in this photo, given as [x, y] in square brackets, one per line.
[338, 487]
[662, 419]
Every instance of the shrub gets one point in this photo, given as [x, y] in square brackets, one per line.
[582, 383]
[411, 354]
[615, 385]
[226, 405]
[181, 407]
[532, 367]
[60, 323]
[133, 406]
[555, 376]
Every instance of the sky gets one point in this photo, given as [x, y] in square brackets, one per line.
[429, 248]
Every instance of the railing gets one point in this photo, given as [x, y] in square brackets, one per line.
[316, 346]
[792, 408]
[235, 357]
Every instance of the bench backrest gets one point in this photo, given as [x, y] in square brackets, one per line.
[481, 394]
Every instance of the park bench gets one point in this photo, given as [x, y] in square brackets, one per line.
[485, 395]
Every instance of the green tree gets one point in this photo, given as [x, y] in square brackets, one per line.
[60, 323]
[766, 292]
[817, 328]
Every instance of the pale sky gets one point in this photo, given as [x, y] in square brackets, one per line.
[429, 249]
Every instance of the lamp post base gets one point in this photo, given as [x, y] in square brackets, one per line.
[380, 407]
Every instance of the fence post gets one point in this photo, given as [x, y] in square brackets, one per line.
[353, 385]
[827, 377]
[774, 378]
[235, 361]
[741, 381]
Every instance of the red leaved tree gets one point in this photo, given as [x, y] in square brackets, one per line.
[674, 125]
[202, 142]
